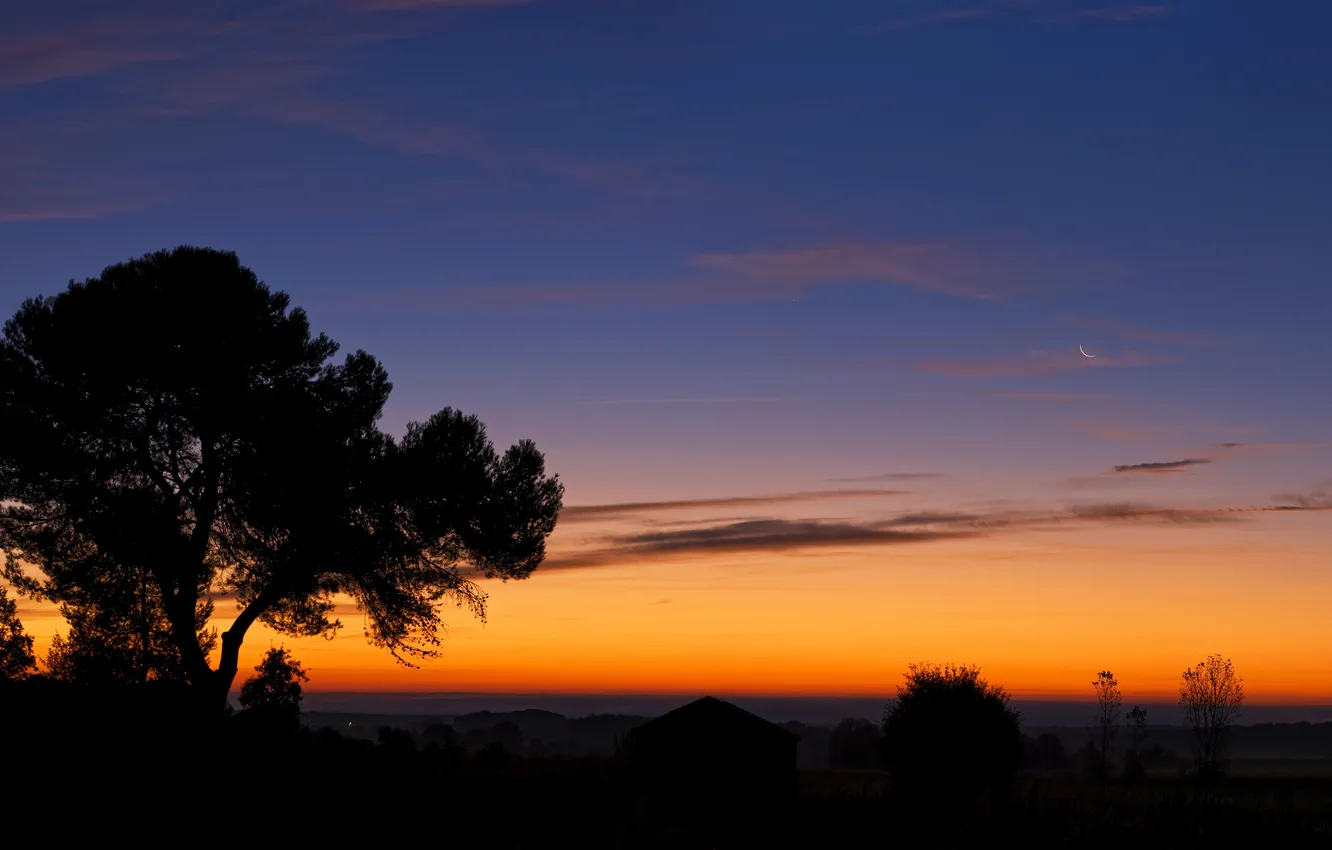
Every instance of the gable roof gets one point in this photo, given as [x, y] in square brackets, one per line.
[710, 712]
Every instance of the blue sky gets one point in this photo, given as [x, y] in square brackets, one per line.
[672, 237]
[734, 263]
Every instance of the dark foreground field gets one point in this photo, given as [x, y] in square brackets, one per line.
[77, 771]
[318, 788]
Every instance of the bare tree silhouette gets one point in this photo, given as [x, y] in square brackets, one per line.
[1211, 695]
[174, 416]
[1109, 707]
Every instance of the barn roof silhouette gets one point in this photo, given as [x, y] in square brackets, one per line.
[710, 712]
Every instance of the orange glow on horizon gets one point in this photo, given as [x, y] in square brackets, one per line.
[1039, 614]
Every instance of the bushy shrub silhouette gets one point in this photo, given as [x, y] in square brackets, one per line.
[950, 735]
[271, 700]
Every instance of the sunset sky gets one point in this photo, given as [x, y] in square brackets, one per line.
[790, 293]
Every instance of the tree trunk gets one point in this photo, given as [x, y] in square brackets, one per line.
[229, 662]
[228, 665]
[180, 616]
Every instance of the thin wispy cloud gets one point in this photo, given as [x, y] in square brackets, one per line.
[970, 268]
[983, 268]
[978, 269]
[1124, 329]
[694, 400]
[1035, 12]
[1320, 499]
[1160, 468]
[584, 513]
[638, 179]
[1244, 450]
[272, 62]
[1034, 364]
[1099, 481]
[890, 476]
[944, 16]
[416, 5]
[1123, 14]
[1056, 397]
[89, 48]
[282, 91]
[74, 192]
[15, 210]
[1133, 512]
[1111, 431]
[774, 535]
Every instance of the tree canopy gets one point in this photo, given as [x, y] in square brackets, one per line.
[950, 734]
[16, 659]
[276, 685]
[1211, 695]
[119, 634]
[175, 418]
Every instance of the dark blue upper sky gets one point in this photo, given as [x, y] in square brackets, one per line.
[869, 234]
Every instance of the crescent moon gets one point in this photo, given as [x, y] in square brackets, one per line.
[1085, 354]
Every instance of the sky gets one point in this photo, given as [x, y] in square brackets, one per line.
[790, 294]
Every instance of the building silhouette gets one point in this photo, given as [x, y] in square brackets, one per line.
[713, 754]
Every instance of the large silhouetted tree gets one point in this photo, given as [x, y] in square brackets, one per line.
[950, 734]
[16, 659]
[174, 416]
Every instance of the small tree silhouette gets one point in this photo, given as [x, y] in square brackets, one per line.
[950, 735]
[277, 687]
[16, 658]
[1109, 706]
[1211, 695]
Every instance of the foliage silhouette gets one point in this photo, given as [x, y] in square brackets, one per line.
[174, 416]
[950, 735]
[16, 658]
[1211, 696]
[1109, 707]
[119, 634]
[276, 685]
